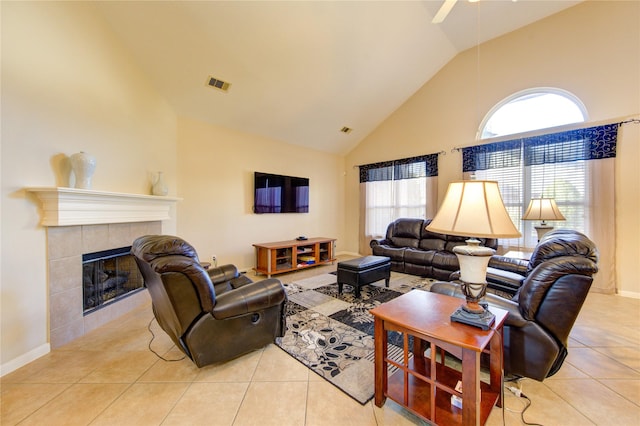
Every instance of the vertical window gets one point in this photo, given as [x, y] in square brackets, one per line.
[395, 189]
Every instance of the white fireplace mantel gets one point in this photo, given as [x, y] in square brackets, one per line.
[72, 206]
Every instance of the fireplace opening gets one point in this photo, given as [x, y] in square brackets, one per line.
[108, 276]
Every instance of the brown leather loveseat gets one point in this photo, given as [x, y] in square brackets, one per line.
[416, 251]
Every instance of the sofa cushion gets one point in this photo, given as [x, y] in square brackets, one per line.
[445, 260]
[423, 270]
[405, 242]
[451, 244]
[419, 257]
[440, 274]
[406, 228]
[432, 244]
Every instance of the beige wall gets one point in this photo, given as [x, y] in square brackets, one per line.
[215, 169]
[67, 85]
[592, 50]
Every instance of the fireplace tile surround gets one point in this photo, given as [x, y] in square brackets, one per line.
[80, 221]
[65, 247]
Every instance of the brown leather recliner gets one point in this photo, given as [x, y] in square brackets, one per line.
[546, 305]
[210, 315]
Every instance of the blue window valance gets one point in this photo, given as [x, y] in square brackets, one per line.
[406, 168]
[491, 156]
[590, 143]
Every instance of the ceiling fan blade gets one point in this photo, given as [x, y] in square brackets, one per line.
[444, 11]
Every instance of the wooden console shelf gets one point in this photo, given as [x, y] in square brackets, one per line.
[293, 255]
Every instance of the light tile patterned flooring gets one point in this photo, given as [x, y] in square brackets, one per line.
[109, 377]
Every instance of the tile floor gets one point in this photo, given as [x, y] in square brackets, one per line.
[109, 377]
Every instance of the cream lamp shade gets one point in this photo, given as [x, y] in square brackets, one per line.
[474, 208]
[543, 209]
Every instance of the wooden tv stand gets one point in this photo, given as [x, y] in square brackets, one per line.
[293, 255]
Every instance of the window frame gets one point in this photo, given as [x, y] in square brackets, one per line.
[525, 93]
[529, 239]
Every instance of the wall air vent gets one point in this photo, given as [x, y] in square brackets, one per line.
[346, 130]
[218, 84]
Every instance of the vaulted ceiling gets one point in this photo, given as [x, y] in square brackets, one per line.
[300, 71]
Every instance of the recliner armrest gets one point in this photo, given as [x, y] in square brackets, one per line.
[222, 273]
[503, 280]
[249, 298]
[514, 319]
[374, 243]
[240, 280]
[510, 264]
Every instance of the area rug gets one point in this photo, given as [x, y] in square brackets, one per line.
[332, 334]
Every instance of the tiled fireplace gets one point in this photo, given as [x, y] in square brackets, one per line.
[66, 245]
[82, 221]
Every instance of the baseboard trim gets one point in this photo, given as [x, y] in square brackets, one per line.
[24, 359]
[348, 253]
[630, 294]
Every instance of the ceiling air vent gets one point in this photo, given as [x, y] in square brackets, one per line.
[218, 84]
[346, 130]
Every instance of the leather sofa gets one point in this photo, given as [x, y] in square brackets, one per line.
[211, 315]
[414, 250]
[507, 274]
[545, 307]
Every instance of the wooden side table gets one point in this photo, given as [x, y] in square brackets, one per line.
[423, 385]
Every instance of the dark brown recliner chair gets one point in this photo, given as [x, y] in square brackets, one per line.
[210, 315]
[546, 305]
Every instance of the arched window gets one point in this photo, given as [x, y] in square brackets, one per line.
[532, 109]
[566, 182]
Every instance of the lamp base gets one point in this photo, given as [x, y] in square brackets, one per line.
[482, 320]
[542, 229]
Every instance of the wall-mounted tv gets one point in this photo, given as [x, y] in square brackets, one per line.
[280, 194]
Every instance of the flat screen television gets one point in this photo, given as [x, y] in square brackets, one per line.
[280, 194]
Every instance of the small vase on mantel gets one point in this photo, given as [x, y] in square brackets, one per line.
[159, 186]
[83, 166]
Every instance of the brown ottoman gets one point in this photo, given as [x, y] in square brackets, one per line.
[362, 271]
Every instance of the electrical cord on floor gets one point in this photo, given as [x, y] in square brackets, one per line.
[518, 392]
[153, 336]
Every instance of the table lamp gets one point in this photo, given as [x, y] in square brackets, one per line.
[543, 209]
[473, 208]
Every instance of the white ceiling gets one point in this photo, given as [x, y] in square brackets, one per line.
[301, 70]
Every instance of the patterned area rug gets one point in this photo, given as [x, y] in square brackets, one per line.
[332, 334]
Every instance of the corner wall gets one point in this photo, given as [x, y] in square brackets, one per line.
[592, 50]
[215, 169]
[67, 85]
